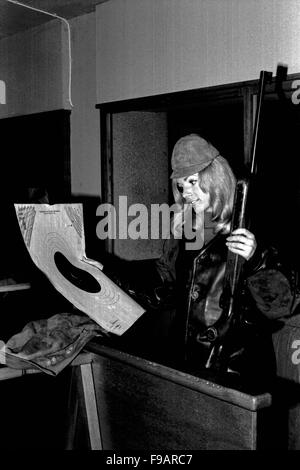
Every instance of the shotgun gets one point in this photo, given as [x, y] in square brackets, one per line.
[217, 333]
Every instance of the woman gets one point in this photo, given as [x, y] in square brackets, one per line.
[186, 284]
[209, 191]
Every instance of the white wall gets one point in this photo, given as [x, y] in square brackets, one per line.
[34, 66]
[147, 47]
[85, 122]
[133, 48]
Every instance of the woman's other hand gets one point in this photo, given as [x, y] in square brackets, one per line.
[242, 242]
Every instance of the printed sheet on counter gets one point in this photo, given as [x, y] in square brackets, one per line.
[54, 237]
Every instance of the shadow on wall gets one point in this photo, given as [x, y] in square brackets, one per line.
[95, 247]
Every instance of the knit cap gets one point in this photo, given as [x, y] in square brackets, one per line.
[191, 154]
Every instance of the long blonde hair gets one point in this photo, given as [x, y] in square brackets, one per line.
[218, 180]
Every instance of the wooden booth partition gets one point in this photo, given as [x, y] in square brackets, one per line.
[142, 405]
[287, 350]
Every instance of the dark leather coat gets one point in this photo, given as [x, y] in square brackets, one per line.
[266, 293]
[197, 277]
[191, 283]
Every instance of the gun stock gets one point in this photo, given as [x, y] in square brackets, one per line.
[234, 265]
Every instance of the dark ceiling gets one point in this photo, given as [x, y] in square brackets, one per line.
[15, 18]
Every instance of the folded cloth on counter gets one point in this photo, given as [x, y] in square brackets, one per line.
[50, 344]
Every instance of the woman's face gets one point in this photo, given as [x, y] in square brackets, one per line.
[192, 193]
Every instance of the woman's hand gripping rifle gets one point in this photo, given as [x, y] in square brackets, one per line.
[219, 334]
